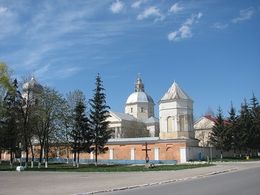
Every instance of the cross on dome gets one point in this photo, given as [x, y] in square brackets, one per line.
[139, 86]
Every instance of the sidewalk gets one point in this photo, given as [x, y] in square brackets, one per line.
[84, 183]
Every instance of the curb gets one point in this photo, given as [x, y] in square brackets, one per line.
[159, 183]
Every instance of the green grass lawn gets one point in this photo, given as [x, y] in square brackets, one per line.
[105, 168]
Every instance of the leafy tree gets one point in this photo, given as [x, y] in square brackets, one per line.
[218, 134]
[98, 115]
[30, 93]
[5, 78]
[5, 85]
[47, 120]
[72, 98]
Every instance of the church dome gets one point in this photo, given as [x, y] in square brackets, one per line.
[140, 96]
[32, 85]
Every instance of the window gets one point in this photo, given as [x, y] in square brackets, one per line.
[169, 124]
[131, 110]
[181, 120]
[142, 109]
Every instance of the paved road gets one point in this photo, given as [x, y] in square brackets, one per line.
[27, 183]
[245, 182]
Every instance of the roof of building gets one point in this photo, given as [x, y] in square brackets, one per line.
[210, 118]
[152, 120]
[32, 85]
[124, 116]
[175, 92]
[137, 97]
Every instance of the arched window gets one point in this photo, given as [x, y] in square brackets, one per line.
[181, 121]
[170, 124]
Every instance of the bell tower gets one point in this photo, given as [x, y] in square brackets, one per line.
[176, 114]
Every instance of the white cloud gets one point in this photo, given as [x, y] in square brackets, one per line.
[3, 10]
[117, 7]
[175, 8]
[49, 71]
[42, 71]
[151, 12]
[138, 3]
[193, 19]
[245, 14]
[184, 32]
[68, 72]
[219, 26]
[8, 22]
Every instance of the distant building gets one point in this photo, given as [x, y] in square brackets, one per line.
[203, 128]
[138, 119]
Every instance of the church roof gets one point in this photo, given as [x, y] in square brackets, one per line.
[32, 85]
[175, 92]
[152, 120]
[137, 97]
[124, 116]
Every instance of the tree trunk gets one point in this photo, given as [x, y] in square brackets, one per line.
[47, 153]
[74, 158]
[67, 149]
[96, 155]
[41, 154]
[27, 157]
[0, 156]
[78, 160]
[11, 159]
[32, 160]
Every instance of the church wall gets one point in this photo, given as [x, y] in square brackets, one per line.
[131, 129]
[176, 118]
[140, 110]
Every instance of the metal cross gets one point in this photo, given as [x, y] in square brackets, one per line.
[146, 152]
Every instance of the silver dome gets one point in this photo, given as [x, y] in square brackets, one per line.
[138, 97]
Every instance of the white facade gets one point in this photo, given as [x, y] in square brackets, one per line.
[176, 114]
[139, 104]
[203, 128]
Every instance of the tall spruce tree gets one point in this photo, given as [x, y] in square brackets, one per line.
[218, 134]
[245, 126]
[12, 122]
[233, 132]
[255, 114]
[98, 115]
[81, 134]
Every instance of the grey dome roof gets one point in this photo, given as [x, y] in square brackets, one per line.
[138, 97]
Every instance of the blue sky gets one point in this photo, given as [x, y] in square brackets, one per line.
[211, 48]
